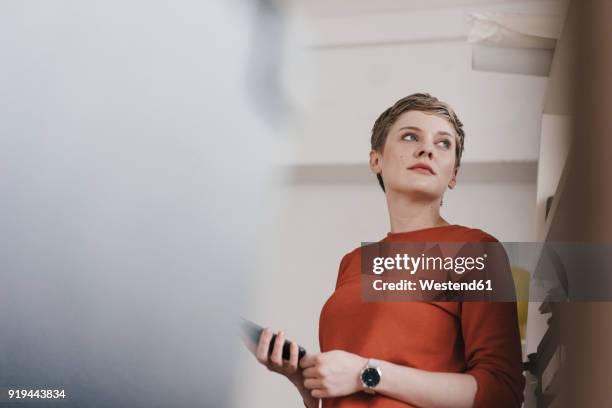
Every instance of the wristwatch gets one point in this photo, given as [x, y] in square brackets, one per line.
[370, 376]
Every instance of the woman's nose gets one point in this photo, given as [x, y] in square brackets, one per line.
[424, 149]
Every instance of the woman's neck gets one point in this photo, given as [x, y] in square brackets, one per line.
[410, 214]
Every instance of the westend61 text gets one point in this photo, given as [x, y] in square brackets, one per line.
[430, 284]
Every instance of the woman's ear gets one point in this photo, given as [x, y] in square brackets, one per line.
[375, 159]
[453, 182]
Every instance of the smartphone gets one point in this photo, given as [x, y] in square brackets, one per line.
[252, 331]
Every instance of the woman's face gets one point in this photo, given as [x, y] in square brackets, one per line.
[417, 139]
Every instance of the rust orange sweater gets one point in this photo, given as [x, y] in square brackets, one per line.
[478, 338]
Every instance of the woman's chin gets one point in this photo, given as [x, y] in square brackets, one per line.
[419, 193]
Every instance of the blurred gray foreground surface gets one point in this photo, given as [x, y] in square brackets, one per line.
[133, 173]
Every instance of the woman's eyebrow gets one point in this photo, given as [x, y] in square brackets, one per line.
[441, 132]
[411, 128]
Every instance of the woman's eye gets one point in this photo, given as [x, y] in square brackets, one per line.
[445, 143]
[409, 136]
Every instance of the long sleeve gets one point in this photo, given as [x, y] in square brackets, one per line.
[493, 352]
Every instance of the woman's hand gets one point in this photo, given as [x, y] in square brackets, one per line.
[332, 374]
[274, 362]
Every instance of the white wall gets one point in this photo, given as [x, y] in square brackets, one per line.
[340, 79]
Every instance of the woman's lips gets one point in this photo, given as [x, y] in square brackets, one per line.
[422, 170]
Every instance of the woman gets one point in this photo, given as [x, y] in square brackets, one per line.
[409, 354]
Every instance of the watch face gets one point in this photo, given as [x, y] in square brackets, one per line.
[370, 377]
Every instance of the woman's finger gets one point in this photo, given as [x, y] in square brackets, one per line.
[313, 383]
[308, 360]
[292, 364]
[277, 354]
[263, 345]
[319, 393]
[311, 372]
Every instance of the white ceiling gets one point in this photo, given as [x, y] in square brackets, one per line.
[337, 8]
[350, 59]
